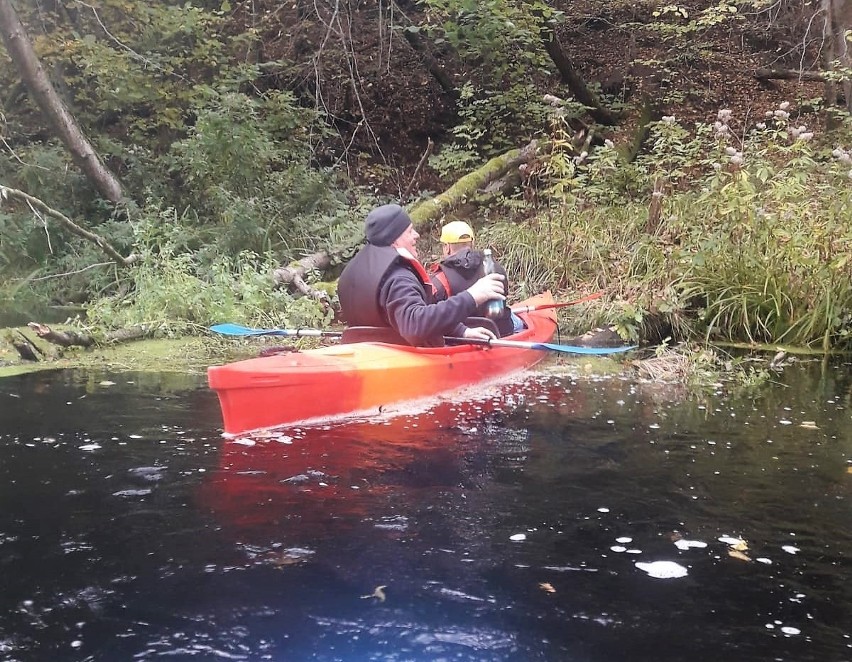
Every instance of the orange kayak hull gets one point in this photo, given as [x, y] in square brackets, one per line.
[339, 380]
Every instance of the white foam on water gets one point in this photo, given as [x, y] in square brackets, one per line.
[730, 540]
[686, 544]
[624, 540]
[663, 569]
[518, 537]
[790, 549]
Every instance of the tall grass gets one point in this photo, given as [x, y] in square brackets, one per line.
[749, 239]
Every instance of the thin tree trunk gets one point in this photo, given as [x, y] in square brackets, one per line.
[828, 39]
[58, 116]
[37, 206]
[432, 65]
[842, 20]
[575, 83]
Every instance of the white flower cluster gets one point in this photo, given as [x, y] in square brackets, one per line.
[668, 119]
[723, 119]
[844, 156]
[800, 133]
[781, 113]
[735, 154]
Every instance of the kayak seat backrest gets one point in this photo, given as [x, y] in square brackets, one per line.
[371, 334]
[483, 321]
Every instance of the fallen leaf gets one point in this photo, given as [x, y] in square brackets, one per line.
[849, 470]
[378, 593]
[741, 546]
[545, 586]
[733, 553]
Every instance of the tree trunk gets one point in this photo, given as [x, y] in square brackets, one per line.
[829, 54]
[575, 83]
[470, 185]
[432, 65]
[61, 121]
[842, 20]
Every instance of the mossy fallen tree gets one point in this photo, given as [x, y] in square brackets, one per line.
[496, 177]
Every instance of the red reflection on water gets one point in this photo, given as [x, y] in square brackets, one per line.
[318, 475]
[322, 477]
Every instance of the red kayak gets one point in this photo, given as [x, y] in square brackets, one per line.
[360, 378]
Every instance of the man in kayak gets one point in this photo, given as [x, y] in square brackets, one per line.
[461, 266]
[385, 285]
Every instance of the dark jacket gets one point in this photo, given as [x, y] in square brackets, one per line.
[380, 287]
[462, 270]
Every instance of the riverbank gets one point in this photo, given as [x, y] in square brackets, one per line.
[188, 354]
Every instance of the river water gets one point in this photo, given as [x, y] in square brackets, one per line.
[530, 522]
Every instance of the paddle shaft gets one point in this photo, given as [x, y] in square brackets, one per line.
[545, 306]
[543, 346]
[238, 330]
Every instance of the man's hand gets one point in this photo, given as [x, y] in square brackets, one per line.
[487, 288]
[479, 333]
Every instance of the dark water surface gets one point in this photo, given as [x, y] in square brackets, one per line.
[507, 528]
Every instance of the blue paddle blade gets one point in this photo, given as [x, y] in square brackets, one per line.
[229, 329]
[576, 349]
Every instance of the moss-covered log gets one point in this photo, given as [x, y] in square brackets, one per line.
[423, 214]
[466, 188]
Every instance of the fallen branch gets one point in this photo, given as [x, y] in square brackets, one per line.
[61, 338]
[71, 338]
[295, 273]
[27, 349]
[37, 205]
[789, 74]
[422, 215]
[465, 188]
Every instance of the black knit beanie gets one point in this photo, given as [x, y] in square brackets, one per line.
[385, 224]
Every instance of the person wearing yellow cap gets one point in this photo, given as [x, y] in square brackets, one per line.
[460, 266]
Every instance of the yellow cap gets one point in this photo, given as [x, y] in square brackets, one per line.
[456, 232]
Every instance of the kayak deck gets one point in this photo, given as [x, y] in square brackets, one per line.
[362, 377]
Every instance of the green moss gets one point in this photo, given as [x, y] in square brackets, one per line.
[184, 354]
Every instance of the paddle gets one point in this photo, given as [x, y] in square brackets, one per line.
[237, 330]
[546, 346]
[545, 306]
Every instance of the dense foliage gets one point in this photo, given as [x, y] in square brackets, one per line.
[238, 154]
